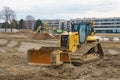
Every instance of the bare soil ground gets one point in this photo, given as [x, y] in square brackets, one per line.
[13, 61]
[108, 35]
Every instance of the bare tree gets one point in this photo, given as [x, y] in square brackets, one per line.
[8, 15]
[13, 24]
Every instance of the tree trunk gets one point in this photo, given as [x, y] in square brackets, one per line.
[11, 28]
[6, 27]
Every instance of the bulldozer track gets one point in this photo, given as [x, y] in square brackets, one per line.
[86, 53]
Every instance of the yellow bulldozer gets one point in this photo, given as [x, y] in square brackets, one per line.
[77, 46]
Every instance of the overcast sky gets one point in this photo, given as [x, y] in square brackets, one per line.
[63, 9]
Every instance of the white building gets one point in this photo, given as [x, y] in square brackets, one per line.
[55, 23]
[102, 25]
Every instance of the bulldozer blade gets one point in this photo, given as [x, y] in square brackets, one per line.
[39, 56]
[48, 56]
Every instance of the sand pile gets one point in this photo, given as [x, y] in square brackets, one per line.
[42, 36]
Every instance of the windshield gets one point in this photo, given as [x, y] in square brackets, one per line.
[75, 27]
[89, 30]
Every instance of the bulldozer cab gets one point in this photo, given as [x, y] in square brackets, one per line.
[78, 35]
[84, 29]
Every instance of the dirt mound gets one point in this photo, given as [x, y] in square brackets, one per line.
[41, 36]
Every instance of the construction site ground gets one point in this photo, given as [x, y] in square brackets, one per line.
[14, 66]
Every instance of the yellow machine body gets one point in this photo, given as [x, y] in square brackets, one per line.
[72, 42]
[91, 37]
